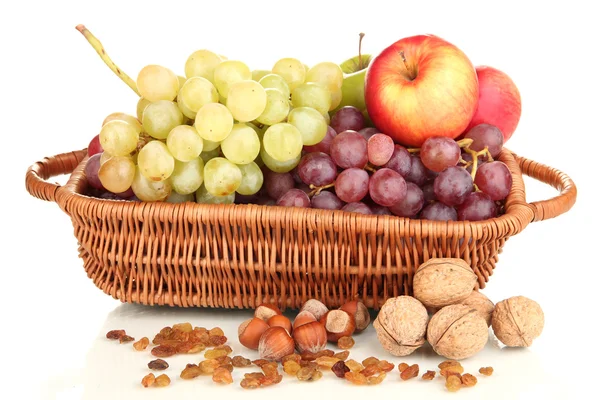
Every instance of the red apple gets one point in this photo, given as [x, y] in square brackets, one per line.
[419, 87]
[499, 101]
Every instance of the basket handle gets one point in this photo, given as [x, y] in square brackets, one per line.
[38, 173]
[546, 209]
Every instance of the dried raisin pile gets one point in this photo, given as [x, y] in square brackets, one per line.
[340, 368]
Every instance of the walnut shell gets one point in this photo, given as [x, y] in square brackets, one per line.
[483, 305]
[401, 325]
[517, 321]
[440, 282]
[457, 332]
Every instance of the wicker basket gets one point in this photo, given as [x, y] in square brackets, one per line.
[238, 256]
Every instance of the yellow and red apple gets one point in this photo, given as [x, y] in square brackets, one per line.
[419, 87]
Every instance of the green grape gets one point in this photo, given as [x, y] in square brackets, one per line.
[187, 176]
[104, 157]
[157, 83]
[214, 122]
[276, 110]
[184, 143]
[204, 197]
[116, 174]
[195, 93]
[202, 63]
[242, 145]
[119, 138]
[336, 99]
[327, 74]
[252, 179]
[246, 100]
[312, 95]
[283, 141]
[207, 155]
[210, 145]
[278, 166]
[221, 176]
[119, 116]
[311, 124]
[273, 81]
[147, 190]
[229, 72]
[160, 118]
[257, 74]
[291, 70]
[181, 81]
[155, 161]
[177, 198]
[141, 106]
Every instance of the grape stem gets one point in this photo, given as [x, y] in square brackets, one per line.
[317, 189]
[370, 168]
[102, 53]
[475, 155]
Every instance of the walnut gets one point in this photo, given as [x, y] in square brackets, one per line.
[483, 305]
[517, 321]
[440, 282]
[401, 325]
[457, 332]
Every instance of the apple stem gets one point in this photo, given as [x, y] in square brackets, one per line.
[360, 60]
[317, 189]
[102, 53]
[413, 149]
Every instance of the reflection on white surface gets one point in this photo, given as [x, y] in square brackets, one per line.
[113, 371]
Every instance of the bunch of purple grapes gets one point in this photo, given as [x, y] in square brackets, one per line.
[358, 169]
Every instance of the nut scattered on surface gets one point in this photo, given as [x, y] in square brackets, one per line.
[250, 331]
[338, 323]
[158, 364]
[303, 317]
[315, 307]
[517, 321]
[280, 320]
[487, 371]
[457, 332]
[440, 282]
[428, 376]
[483, 305]
[360, 312]
[401, 325]
[310, 337]
[345, 342]
[275, 343]
[266, 311]
[453, 383]
[410, 372]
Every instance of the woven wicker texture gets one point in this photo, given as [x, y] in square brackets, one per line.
[238, 256]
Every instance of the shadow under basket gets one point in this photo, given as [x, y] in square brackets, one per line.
[238, 256]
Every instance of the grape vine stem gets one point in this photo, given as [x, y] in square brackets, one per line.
[95, 43]
[317, 189]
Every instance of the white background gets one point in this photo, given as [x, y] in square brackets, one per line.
[55, 93]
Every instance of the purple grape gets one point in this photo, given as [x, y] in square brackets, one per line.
[304, 187]
[296, 175]
[126, 194]
[411, 204]
[317, 169]
[91, 171]
[352, 185]
[278, 184]
[428, 193]
[438, 211]
[477, 207]
[266, 201]
[380, 148]
[349, 150]
[368, 132]
[347, 118]
[494, 179]
[246, 199]
[376, 209]
[400, 161]
[453, 185]
[94, 147]
[431, 175]
[439, 153]
[418, 172]
[357, 207]
[134, 198]
[326, 201]
[387, 187]
[294, 198]
[110, 196]
[486, 135]
[324, 145]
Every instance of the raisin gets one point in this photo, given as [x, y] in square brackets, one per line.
[200, 330]
[164, 350]
[402, 367]
[260, 362]
[311, 364]
[453, 383]
[197, 348]
[270, 380]
[250, 383]
[209, 366]
[326, 362]
[228, 367]
[158, 339]
[158, 364]
[452, 370]
[184, 348]
[222, 375]
[326, 353]
[162, 381]
[309, 374]
[376, 379]
[212, 354]
[449, 363]
[115, 334]
[191, 371]
[148, 380]
[371, 360]
[291, 357]
[166, 331]
[308, 356]
[183, 327]
[179, 336]
[125, 339]
[223, 360]
[216, 340]
[385, 366]
[141, 344]
[356, 378]
[468, 380]
[254, 375]
[342, 355]
[410, 372]
[340, 368]
[270, 369]
[199, 337]
[487, 371]
[345, 342]
[216, 332]
[428, 376]
[354, 366]
[239, 362]
[225, 348]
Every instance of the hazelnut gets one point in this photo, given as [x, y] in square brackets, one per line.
[275, 344]
[303, 317]
[316, 308]
[360, 312]
[457, 332]
[266, 311]
[440, 282]
[311, 337]
[338, 323]
[483, 305]
[517, 321]
[250, 331]
[401, 325]
[280, 320]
